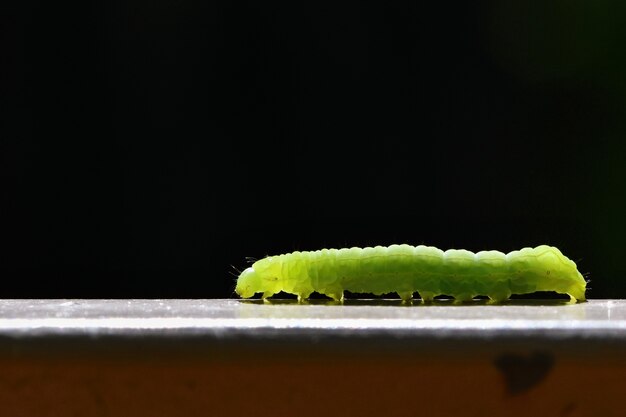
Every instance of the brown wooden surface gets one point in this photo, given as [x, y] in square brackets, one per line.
[312, 386]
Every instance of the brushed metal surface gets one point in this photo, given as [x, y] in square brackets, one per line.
[223, 318]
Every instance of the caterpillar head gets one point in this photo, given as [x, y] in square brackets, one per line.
[248, 283]
[262, 276]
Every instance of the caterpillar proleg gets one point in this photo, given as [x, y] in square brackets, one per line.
[407, 269]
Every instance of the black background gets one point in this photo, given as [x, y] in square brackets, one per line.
[151, 146]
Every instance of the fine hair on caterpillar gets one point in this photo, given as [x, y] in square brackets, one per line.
[406, 269]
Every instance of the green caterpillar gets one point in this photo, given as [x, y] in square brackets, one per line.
[405, 269]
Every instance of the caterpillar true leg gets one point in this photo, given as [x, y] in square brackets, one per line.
[303, 297]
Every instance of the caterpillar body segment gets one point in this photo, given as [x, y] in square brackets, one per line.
[406, 269]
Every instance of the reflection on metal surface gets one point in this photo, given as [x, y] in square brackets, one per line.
[393, 309]
[165, 323]
[21, 317]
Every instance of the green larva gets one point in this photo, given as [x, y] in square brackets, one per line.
[406, 269]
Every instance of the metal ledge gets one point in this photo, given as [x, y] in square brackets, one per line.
[362, 357]
[384, 322]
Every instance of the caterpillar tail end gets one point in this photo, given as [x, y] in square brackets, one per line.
[577, 295]
[577, 290]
